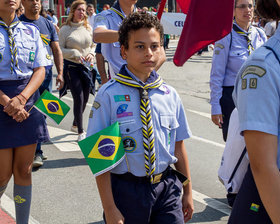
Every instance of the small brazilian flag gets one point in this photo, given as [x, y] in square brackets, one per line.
[52, 107]
[104, 150]
[254, 207]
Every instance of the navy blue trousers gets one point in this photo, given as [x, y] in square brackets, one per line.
[143, 203]
[242, 211]
[227, 106]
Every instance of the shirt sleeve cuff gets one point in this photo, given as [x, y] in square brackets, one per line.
[216, 109]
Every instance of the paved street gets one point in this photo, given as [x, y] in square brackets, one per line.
[64, 190]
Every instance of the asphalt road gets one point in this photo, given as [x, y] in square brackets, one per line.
[64, 190]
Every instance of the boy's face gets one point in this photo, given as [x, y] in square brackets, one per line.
[143, 52]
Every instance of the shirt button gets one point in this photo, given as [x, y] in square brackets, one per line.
[127, 130]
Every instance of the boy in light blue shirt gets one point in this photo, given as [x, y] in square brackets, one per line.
[144, 188]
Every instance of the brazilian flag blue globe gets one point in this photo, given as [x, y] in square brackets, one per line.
[104, 150]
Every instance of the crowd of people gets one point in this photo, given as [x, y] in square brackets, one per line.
[132, 42]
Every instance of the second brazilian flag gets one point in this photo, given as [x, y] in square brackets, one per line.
[52, 107]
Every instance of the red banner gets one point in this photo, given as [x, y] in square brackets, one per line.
[207, 21]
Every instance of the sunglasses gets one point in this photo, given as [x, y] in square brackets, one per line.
[244, 6]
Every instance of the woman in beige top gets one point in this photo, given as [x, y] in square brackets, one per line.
[75, 40]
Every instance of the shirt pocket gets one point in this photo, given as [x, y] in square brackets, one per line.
[131, 131]
[169, 124]
[238, 53]
[26, 52]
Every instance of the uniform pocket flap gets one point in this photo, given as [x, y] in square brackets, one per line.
[130, 126]
[28, 45]
[169, 121]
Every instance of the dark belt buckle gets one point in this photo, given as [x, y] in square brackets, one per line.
[157, 178]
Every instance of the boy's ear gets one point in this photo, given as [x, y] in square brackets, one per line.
[123, 52]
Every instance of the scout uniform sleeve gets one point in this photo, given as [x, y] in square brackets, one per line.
[218, 70]
[40, 54]
[183, 131]
[100, 113]
[101, 21]
[257, 96]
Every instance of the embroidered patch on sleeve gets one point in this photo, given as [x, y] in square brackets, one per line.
[220, 46]
[244, 84]
[96, 105]
[217, 52]
[253, 83]
[254, 70]
[91, 114]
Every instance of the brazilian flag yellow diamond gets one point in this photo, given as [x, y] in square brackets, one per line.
[106, 147]
[49, 104]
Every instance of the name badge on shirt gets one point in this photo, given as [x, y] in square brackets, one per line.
[31, 56]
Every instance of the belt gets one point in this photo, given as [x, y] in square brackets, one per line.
[157, 177]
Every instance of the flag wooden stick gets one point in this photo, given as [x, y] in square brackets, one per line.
[30, 109]
[126, 160]
[161, 8]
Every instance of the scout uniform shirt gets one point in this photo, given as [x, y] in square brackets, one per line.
[257, 91]
[31, 52]
[229, 55]
[118, 102]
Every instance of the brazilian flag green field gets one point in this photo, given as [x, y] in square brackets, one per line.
[104, 150]
[52, 107]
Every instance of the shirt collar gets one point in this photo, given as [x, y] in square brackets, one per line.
[153, 76]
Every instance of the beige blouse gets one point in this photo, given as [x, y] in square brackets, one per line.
[75, 41]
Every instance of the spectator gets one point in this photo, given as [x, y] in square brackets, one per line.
[75, 39]
[52, 15]
[91, 14]
[67, 11]
[106, 7]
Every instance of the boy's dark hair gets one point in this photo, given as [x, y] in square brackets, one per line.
[268, 9]
[136, 21]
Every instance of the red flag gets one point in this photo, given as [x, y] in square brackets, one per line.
[161, 8]
[184, 5]
[207, 21]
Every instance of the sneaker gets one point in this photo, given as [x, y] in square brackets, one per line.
[74, 129]
[44, 157]
[82, 136]
[38, 161]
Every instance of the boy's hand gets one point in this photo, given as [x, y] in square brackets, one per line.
[114, 216]
[187, 203]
